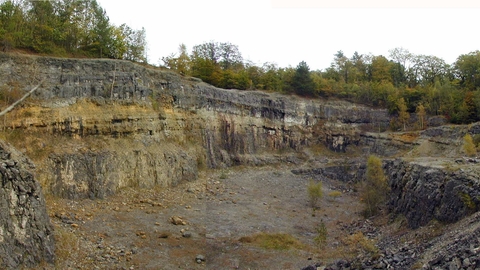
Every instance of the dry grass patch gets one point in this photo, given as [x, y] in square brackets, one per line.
[277, 241]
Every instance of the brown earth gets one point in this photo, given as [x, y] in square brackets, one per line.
[133, 229]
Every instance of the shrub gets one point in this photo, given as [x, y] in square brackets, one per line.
[314, 193]
[375, 188]
[469, 146]
[321, 237]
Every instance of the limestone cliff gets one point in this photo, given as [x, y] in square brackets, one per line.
[169, 124]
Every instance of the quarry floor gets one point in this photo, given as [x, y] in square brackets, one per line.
[133, 229]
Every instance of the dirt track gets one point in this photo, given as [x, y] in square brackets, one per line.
[133, 230]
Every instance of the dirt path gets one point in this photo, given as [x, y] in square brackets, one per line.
[133, 229]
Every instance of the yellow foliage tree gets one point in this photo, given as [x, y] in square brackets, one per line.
[469, 146]
[421, 116]
[375, 186]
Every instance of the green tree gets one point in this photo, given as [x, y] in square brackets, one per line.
[380, 69]
[302, 82]
[467, 68]
[375, 187]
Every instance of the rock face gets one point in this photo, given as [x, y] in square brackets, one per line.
[422, 192]
[26, 236]
[188, 123]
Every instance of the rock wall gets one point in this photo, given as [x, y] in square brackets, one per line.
[26, 235]
[422, 192]
[116, 100]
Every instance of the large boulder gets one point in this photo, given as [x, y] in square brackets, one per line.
[26, 234]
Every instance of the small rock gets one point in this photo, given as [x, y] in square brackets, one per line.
[200, 258]
[175, 220]
[187, 234]
[74, 225]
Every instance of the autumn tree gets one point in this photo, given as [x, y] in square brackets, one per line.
[421, 116]
[375, 187]
[180, 63]
[403, 115]
[468, 145]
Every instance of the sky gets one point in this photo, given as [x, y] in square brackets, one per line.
[287, 32]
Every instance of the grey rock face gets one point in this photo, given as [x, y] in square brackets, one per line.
[118, 99]
[422, 193]
[26, 235]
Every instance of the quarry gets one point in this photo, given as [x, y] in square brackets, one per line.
[116, 165]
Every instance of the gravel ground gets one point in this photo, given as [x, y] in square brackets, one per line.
[134, 230]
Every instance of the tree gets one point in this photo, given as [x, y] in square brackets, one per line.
[467, 68]
[375, 186]
[403, 115]
[469, 146]
[180, 64]
[343, 66]
[302, 82]
[421, 116]
[380, 69]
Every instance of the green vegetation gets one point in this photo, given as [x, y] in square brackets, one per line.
[375, 187]
[314, 193]
[404, 83]
[321, 238]
[67, 28]
[468, 146]
[357, 243]
[468, 201]
[278, 241]
[334, 194]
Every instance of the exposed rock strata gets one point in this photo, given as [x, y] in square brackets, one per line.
[119, 99]
[422, 192]
[26, 236]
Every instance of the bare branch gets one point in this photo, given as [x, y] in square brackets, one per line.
[11, 107]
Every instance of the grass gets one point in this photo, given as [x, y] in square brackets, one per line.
[276, 241]
[67, 245]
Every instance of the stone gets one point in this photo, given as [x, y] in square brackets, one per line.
[176, 220]
[200, 258]
[24, 217]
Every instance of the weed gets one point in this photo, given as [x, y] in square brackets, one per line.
[467, 201]
[66, 244]
[334, 194]
[321, 237]
[358, 243]
[314, 193]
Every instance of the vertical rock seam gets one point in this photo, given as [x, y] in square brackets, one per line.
[26, 234]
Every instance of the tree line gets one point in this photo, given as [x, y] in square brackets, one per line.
[67, 28]
[403, 82]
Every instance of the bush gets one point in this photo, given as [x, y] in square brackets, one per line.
[321, 237]
[375, 187]
[314, 193]
[469, 146]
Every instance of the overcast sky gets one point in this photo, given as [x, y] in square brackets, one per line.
[289, 31]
